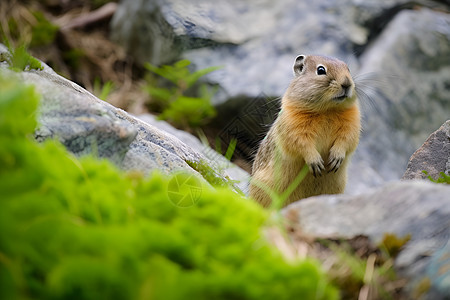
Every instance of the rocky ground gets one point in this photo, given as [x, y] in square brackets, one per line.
[399, 48]
[417, 211]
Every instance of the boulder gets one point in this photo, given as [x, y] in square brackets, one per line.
[88, 125]
[433, 156]
[418, 208]
[411, 62]
[158, 31]
[399, 50]
[255, 38]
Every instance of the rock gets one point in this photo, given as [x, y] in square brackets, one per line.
[438, 272]
[433, 156]
[411, 63]
[218, 161]
[140, 27]
[80, 122]
[419, 208]
[255, 38]
[177, 26]
[256, 42]
[86, 124]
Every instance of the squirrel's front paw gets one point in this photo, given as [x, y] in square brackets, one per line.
[334, 162]
[317, 167]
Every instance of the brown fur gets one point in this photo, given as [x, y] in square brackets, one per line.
[313, 128]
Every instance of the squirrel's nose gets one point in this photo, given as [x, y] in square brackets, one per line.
[346, 85]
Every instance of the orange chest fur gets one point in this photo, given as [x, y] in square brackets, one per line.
[322, 129]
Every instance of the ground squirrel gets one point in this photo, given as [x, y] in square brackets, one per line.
[318, 125]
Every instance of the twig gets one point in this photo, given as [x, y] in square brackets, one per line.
[102, 13]
[368, 275]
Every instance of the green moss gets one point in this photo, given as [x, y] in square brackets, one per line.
[393, 244]
[443, 178]
[209, 173]
[19, 59]
[81, 229]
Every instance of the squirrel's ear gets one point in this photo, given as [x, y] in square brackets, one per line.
[299, 65]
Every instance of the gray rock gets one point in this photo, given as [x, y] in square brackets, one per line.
[157, 31]
[419, 208]
[407, 51]
[433, 156]
[219, 162]
[140, 27]
[411, 59]
[263, 65]
[80, 122]
[438, 272]
[255, 38]
[86, 124]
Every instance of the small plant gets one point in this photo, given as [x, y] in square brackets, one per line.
[365, 270]
[19, 59]
[43, 32]
[29, 27]
[392, 244]
[443, 178]
[73, 57]
[102, 92]
[213, 178]
[213, 155]
[175, 101]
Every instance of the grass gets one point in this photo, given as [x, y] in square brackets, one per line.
[180, 99]
[19, 59]
[81, 229]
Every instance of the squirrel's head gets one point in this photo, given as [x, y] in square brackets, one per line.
[321, 83]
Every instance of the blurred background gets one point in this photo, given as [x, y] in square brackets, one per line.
[216, 69]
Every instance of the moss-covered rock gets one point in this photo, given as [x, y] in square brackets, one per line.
[85, 124]
[80, 229]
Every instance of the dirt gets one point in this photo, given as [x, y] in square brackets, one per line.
[81, 49]
[358, 267]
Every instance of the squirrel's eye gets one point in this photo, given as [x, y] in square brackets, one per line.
[321, 70]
